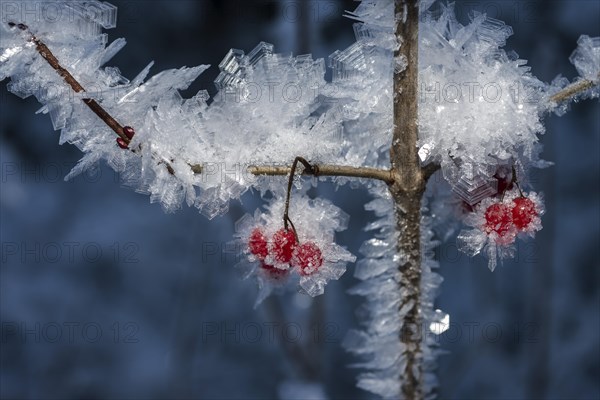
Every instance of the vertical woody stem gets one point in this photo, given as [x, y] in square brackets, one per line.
[407, 191]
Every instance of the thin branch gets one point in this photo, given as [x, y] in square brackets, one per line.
[328, 170]
[73, 83]
[573, 90]
[321, 170]
[125, 133]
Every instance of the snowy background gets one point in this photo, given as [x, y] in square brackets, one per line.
[104, 295]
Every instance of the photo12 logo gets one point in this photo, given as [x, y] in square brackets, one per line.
[52, 12]
[68, 252]
[68, 332]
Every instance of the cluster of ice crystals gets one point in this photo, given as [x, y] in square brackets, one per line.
[478, 105]
[377, 344]
[586, 57]
[434, 321]
[270, 108]
[360, 94]
[315, 220]
[472, 181]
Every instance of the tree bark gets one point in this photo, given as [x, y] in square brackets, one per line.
[407, 191]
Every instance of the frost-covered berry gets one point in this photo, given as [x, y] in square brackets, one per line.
[523, 212]
[282, 245]
[272, 272]
[498, 218]
[257, 244]
[307, 258]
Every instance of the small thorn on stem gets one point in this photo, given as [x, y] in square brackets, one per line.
[122, 144]
[129, 132]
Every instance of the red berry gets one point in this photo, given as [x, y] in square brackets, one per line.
[273, 272]
[498, 219]
[283, 244]
[523, 212]
[308, 258]
[257, 244]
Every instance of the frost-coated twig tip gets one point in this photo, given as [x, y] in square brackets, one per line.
[573, 90]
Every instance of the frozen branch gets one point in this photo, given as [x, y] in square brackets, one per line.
[573, 90]
[384, 175]
[407, 192]
[328, 170]
[72, 82]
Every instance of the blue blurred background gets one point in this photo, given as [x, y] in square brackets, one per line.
[105, 296]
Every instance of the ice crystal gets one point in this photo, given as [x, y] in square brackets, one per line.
[378, 343]
[586, 57]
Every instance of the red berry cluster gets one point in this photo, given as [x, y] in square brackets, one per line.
[283, 249]
[505, 218]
